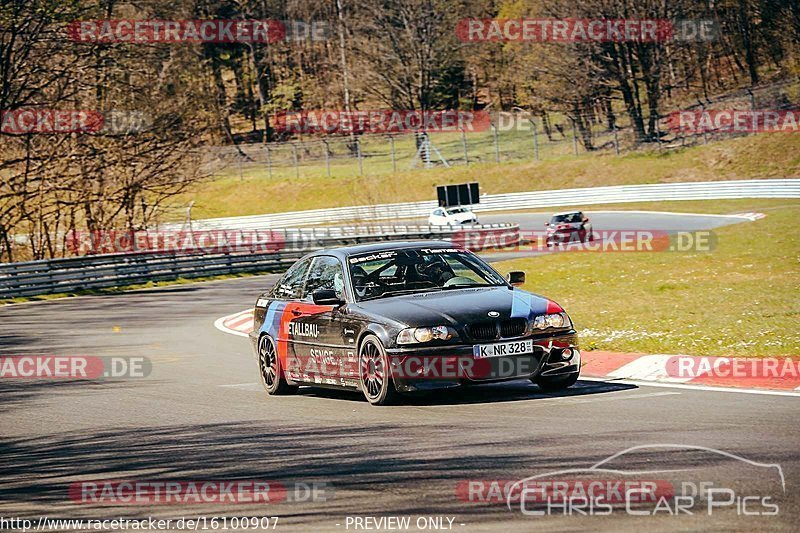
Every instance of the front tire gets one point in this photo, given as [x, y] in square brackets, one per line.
[375, 373]
[555, 384]
[269, 369]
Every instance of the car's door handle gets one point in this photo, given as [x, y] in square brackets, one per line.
[297, 312]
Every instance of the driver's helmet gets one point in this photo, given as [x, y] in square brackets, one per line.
[434, 270]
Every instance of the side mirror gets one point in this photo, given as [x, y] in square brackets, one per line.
[546, 223]
[516, 277]
[326, 297]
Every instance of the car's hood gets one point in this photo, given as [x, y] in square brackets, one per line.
[459, 306]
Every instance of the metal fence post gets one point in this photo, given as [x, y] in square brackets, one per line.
[496, 144]
[705, 131]
[535, 139]
[574, 138]
[269, 160]
[394, 155]
[327, 157]
[464, 145]
[296, 161]
[358, 154]
[658, 135]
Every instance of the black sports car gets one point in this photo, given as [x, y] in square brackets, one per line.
[404, 317]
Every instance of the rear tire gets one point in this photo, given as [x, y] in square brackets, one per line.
[554, 384]
[269, 369]
[374, 372]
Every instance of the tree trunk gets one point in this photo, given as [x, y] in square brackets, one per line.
[747, 40]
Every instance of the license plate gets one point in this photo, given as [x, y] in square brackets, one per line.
[502, 349]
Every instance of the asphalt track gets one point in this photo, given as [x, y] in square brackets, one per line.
[202, 415]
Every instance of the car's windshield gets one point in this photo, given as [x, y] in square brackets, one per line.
[388, 273]
[566, 218]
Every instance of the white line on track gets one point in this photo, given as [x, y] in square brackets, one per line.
[695, 387]
[579, 398]
[240, 385]
[674, 213]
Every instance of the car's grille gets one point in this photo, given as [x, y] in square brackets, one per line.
[486, 331]
[483, 331]
[513, 328]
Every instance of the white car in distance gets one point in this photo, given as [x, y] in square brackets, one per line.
[452, 216]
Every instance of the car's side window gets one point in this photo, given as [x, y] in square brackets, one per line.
[326, 273]
[291, 284]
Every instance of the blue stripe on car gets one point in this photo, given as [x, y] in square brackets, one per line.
[272, 322]
[520, 304]
[526, 305]
[538, 307]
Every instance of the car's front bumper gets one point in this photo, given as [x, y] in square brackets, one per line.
[424, 368]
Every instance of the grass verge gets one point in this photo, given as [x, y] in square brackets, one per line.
[759, 156]
[741, 299]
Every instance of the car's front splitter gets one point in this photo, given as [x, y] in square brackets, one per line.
[428, 368]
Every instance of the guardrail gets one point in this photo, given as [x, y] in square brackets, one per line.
[113, 270]
[713, 190]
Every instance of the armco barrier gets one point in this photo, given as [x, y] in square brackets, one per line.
[111, 270]
[706, 190]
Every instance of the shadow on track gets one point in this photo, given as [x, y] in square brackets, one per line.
[511, 391]
[372, 468]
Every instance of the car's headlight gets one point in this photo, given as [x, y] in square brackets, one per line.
[417, 335]
[553, 320]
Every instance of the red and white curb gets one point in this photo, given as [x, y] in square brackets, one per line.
[240, 323]
[752, 216]
[744, 375]
[779, 376]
